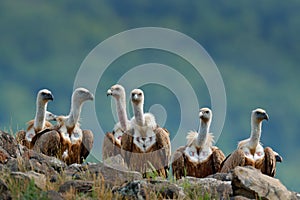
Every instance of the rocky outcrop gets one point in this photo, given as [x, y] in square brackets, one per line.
[250, 183]
[23, 165]
[143, 189]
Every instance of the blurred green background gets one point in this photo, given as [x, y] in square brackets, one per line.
[255, 44]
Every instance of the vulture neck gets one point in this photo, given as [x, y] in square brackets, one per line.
[139, 114]
[73, 117]
[202, 133]
[40, 115]
[255, 133]
[121, 110]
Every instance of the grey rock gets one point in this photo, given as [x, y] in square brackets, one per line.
[213, 188]
[116, 162]
[39, 179]
[8, 144]
[142, 189]
[221, 176]
[111, 176]
[79, 186]
[251, 183]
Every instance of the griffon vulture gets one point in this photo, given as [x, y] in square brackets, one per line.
[251, 152]
[112, 140]
[66, 140]
[39, 123]
[145, 147]
[199, 158]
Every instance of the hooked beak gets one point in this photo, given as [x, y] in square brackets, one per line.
[135, 97]
[266, 117]
[200, 114]
[50, 97]
[109, 92]
[91, 97]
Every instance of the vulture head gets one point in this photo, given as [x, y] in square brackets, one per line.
[44, 96]
[82, 95]
[116, 91]
[205, 115]
[258, 115]
[137, 97]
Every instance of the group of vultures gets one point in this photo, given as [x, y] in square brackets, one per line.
[142, 143]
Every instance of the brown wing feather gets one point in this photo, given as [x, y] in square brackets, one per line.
[21, 135]
[237, 158]
[178, 168]
[49, 144]
[127, 146]
[163, 145]
[160, 153]
[217, 158]
[87, 144]
[110, 146]
[74, 153]
[37, 136]
[267, 165]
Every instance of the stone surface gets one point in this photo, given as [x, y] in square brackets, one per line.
[77, 185]
[39, 179]
[111, 176]
[143, 189]
[116, 162]
[9, 144]
[207, 186]
[251, 183]
[24, 164]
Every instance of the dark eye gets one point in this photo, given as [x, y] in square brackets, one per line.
[139, 94]
[44, 93]
[206, 112]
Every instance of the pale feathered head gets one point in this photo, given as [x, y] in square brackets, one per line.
[137, 96]
[205, 115]
[44, 96]
[50, 116]
[82, 94]
[116, 91]
[259, 115]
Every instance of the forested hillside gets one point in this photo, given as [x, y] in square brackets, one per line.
[254, 44]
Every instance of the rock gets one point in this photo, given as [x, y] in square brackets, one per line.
[221, 176]
[39, 179]
[13, 164]
[132, 190]
[111, 176]
[251, 183]
[4, 191]
[142, 189]
[8, 144]
[239, 198]
[4, 156]
[37, 162]
[78, 185]
[116, 162]
[210, 187]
